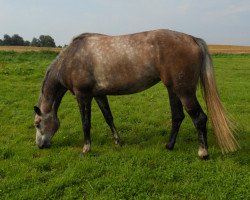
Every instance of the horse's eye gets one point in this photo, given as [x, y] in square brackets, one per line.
[37, 125]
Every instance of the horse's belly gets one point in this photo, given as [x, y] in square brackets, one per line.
[125, 83]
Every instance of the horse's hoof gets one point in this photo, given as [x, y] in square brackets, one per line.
[203, 154]
[86, 148]
[170, 147]
[118, 143]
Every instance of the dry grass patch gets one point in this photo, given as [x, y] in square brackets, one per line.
[214, 49]
[28, 48]
[229, 49]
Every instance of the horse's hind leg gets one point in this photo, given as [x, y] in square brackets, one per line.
[177, 117]
[102, 101]
[199, 118]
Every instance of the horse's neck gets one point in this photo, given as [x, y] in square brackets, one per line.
[51, 95]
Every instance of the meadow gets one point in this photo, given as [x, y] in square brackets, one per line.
[142, 168]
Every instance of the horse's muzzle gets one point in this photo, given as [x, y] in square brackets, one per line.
[43, 146]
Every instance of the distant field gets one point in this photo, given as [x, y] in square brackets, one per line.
[28, 48]
[142, 168]
[228, 49]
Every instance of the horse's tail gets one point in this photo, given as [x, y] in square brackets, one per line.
[224, 128]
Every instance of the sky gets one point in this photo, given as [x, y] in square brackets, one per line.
[216, 21]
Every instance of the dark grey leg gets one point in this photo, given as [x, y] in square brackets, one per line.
[177, 117]
[84, 103]
[102, 101]
[199, 118]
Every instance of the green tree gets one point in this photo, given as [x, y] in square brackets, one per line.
[35, 42]
[17, 40]
[7, 40]
[43, 41]
[27, 43]
[47, 41]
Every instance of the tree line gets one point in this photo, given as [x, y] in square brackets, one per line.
[16, 40]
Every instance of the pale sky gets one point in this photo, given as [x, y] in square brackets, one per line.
[216, 21]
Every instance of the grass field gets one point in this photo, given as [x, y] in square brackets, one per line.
[141, 168]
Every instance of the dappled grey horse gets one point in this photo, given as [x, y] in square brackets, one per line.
[96, 65]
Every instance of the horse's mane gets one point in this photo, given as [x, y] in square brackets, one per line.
[45, 79]
[43, 85]
[84, 35]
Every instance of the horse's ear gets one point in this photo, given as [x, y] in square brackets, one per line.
[37, 110]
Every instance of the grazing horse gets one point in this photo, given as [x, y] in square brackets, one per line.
[96, 65]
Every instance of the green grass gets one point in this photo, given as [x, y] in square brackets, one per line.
[141, 168]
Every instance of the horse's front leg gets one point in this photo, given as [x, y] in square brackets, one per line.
[84, 103]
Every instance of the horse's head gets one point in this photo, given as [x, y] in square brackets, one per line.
[46, 126]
